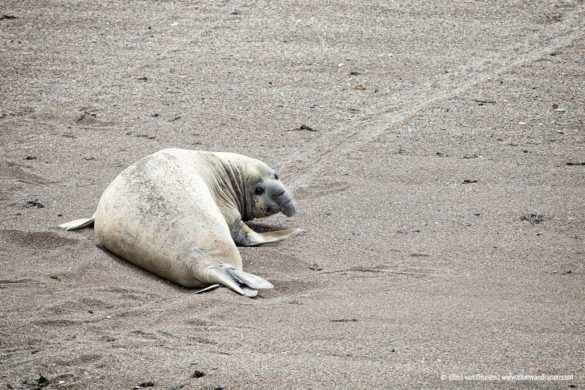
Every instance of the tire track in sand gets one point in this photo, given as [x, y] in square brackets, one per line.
[324, 152]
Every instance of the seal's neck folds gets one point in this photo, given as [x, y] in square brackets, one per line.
[228, 185]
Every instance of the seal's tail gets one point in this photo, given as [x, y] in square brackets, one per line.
[78, 223]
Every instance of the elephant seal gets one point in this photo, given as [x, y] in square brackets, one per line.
[180, 213]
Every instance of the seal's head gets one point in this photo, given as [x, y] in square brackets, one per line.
[257, 189]
[268, 195]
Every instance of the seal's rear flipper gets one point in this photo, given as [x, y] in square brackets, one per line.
[241, 282]
[78, 223]
[247, 291]
[208, 288]
[251, 280]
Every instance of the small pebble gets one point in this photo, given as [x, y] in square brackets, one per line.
[42, 381]
[560, 109]
[315, 267]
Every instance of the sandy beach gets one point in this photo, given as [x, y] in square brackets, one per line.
[436, 151]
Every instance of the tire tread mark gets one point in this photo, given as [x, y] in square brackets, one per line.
[316, 156]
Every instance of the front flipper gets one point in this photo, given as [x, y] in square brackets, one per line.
[241, 282]
[245, 236]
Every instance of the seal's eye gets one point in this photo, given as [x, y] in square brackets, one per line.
[259, 191]
[275, 176]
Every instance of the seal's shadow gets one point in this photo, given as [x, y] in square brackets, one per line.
[136, 269]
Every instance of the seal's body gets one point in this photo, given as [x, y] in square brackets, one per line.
[179, 214]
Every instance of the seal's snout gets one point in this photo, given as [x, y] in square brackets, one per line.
[282, 196]
[290, 210]
[287, 204]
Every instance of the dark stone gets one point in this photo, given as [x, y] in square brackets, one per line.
[33, 203]
[532, 218]
[305, 127]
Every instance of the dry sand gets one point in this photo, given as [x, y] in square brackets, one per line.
[436, 132]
